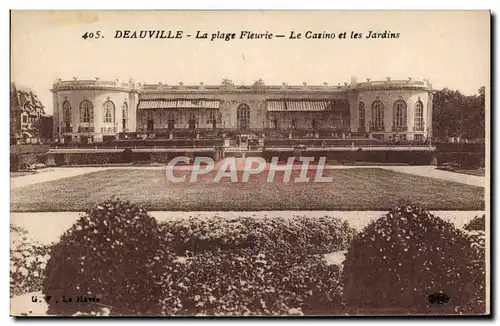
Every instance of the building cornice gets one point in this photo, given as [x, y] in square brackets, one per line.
[96, 84]
[227, 87]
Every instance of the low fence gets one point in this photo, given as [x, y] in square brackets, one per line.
[70, 157]
[163, 143]
[319, 142]
[347, 157]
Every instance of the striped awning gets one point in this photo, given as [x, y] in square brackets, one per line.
[306, 105]
[158, 104]
[273, 105]
[198, 104]
[179, 104]
[338, 105]
[296, 106]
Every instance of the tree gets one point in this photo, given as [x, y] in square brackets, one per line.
[457, 115]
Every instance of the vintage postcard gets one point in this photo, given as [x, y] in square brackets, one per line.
[250, 163]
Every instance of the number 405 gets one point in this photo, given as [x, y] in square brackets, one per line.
[93, 35]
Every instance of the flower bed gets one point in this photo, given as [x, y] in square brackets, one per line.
[307, 234]
[248, 266]
[28, 261]
[251, 282]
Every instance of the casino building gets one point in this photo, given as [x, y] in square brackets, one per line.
[89, 111]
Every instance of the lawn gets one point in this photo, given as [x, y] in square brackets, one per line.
[351, 189]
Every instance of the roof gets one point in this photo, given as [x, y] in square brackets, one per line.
[23, 98]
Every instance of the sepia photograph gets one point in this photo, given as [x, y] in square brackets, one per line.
[249, 163]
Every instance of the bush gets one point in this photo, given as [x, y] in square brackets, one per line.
[253, 266]
[402, 258]
[314, 235]
[28, 260]
[110, 253]
[251, 282]
[476, 224]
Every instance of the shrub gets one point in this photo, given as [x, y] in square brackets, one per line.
[402, 258]
[314, 235]
[251, 282]
[478, 223]
[110, 254]
[28, 260]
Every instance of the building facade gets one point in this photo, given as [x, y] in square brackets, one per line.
[95, 110]
[28, 122]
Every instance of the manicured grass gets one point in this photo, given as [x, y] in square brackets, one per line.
[351, 189]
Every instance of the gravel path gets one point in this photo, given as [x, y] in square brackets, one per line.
[48, 227]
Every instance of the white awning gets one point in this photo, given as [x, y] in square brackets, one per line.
[157, 104]
[296, 106]
[273, 105]
[198, 104]
[338, 105]
[179, 104]
[306, 105]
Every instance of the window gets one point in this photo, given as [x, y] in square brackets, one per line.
[66, 117]
[25, 118]
[419, 137]
[361, 113]
[86, 112]
[419, 116]
[243, 116]
[124, 116]
[212, 121]
[399, 114]
[109, 112]
[313, 123]
[338, 122]
[211, 117]
[171, 123]
[377, 114]
[293, 124]
[192, 121]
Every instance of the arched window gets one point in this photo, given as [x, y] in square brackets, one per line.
[86, 112]
[377, 115]
[67, 116]
[361, 115]
[124, 116]
[419, 116]
[399, 114]
[243, 116]
[109, 112]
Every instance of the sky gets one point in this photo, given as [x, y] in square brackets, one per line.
[449, 48]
